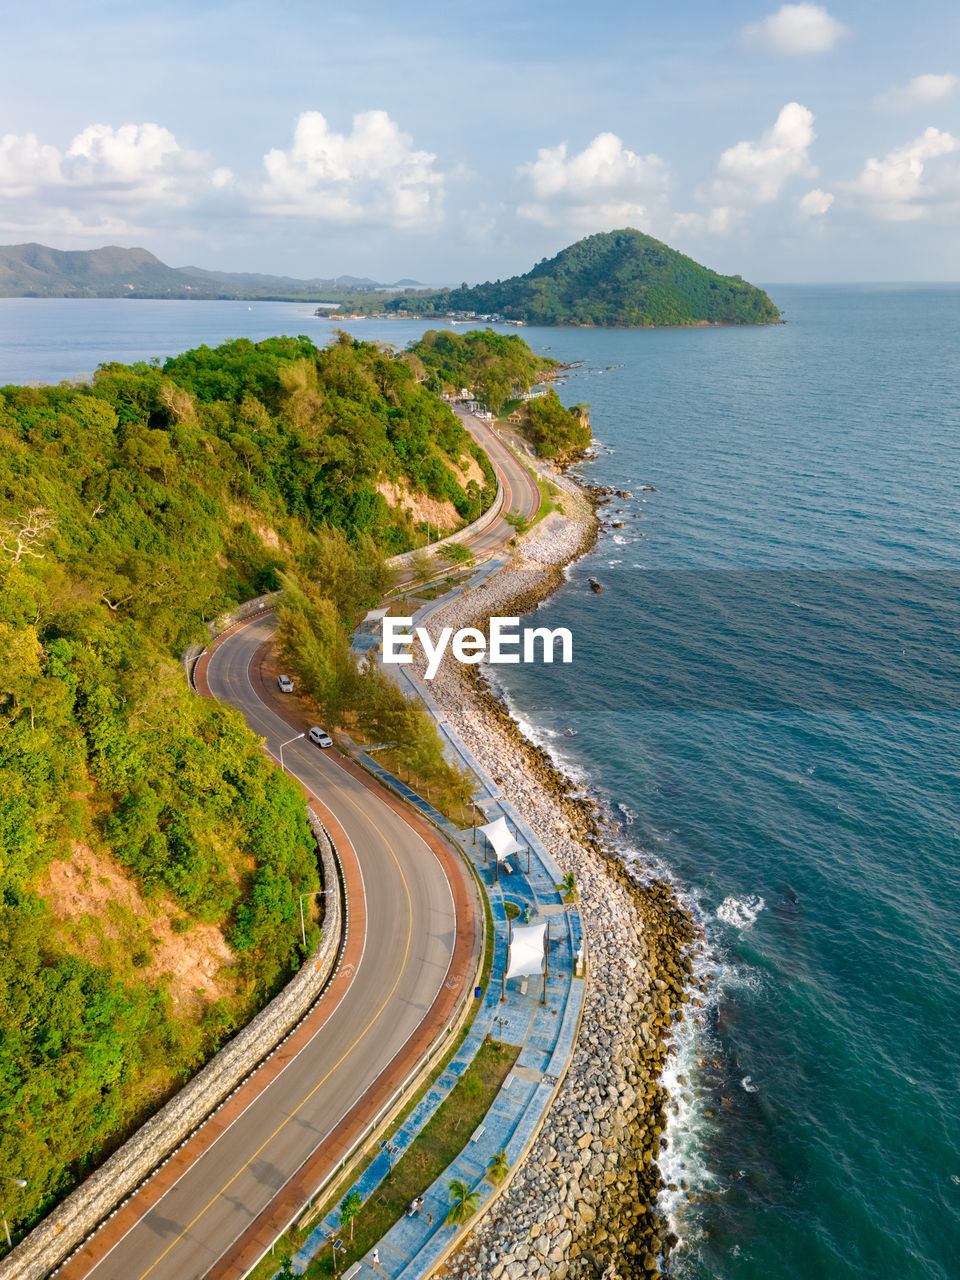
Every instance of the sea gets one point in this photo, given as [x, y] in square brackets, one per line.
[765, 699]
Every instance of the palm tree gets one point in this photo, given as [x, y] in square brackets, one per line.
[568, 886]
[497, 1168]
[463, 1203]
[350, 1206]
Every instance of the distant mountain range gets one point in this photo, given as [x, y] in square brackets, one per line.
[618, 278]
[35, 271]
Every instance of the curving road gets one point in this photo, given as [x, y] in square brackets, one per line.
[521, 491]
[209, 1214]
[409, 927]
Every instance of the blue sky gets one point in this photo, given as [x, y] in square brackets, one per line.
[786, 142]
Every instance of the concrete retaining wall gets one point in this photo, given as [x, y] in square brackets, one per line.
[260, 604]
[480, 525]
[70, 1224]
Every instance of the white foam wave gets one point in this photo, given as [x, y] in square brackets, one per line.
[683, 1162]
[748, 1085]
[741, 913]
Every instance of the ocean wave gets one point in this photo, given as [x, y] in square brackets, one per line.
[741, 913]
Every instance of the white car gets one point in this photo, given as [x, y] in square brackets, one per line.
[320, 737]
[285, 683]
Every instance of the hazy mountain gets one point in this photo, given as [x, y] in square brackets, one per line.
[35, 271]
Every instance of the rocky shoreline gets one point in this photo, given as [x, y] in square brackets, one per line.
[585, 1202]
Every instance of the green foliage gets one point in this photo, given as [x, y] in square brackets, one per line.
[498, 1166]
[350, 1206]
[314, 645]
[133, 511]
[568, 887]
[493, 367]
[463, 1203]
[457, 553]
[516, 521]
[554, 430]
[622, 278]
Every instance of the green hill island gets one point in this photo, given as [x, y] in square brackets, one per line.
[622, 279]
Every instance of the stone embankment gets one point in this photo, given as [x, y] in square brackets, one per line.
[585, 1202]
[67, 1227]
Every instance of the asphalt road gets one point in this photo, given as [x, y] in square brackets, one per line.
[409, 938]
[521, 489]
[409, 935]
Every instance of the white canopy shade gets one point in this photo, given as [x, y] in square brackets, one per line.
[375, 615]
[498, 833]
[526, 950]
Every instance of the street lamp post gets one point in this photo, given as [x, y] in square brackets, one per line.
[312, 893]
[17, 1182]
[287, 743]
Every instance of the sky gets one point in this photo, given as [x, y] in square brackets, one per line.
[798, 142]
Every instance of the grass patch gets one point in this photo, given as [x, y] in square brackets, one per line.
[549, 498]
[511, 909]
[442, 1139]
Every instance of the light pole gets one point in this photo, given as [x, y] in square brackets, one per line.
[17, 1182]
[286, 744]
[311, 894]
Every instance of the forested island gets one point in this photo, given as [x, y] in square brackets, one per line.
[617, 278]
[151, 857]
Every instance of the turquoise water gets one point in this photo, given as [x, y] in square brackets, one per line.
[766, 694]
[766, 697]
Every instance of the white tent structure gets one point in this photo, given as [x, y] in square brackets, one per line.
[372, 619]
[526, 951]
[498, 834]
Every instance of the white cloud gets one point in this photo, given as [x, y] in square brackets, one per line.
[815, 203]
[105, 182]
[605, 185]
[717, 221]
[26, 164]
[794, 29]
[897, 187]
[757, 171]
[921, 91]
[372, 175]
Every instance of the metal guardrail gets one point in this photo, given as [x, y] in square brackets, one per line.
[408, 588]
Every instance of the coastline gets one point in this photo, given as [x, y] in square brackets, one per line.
[585, 1202]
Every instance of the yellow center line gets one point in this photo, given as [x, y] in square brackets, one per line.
[227, 1185]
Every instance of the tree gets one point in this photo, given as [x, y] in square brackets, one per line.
[568, 887]
[497, 1168]
[21, 536]
[457, 553]
[350, 1206]
[424, 566]
[463, 1203]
